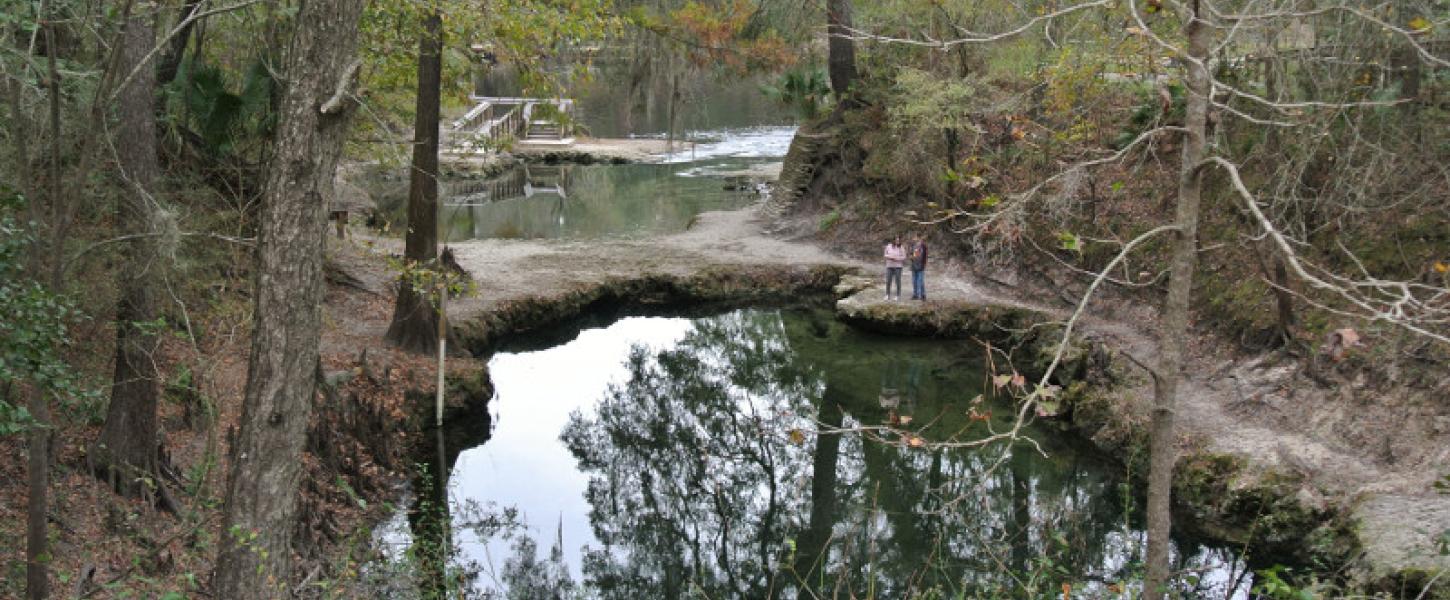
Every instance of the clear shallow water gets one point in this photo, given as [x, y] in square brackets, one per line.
[673, 457]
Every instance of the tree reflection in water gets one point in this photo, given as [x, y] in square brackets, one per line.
[704, 481]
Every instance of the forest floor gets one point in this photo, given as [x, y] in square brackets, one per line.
[107, 546]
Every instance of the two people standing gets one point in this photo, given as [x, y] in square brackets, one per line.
[896, 259]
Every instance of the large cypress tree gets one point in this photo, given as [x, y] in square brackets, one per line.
[415, 318]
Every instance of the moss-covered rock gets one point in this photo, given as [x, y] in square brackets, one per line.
[1268, 511]
[717, 286]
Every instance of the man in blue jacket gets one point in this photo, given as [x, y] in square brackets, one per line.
[918, 267]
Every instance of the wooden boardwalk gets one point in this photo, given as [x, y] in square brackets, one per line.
[495, 121]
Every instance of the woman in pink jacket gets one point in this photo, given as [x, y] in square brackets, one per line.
[895, 260]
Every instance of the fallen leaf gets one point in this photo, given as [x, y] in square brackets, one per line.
[797, 437]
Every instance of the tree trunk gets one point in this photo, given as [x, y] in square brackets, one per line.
[37, 546]
[841, 49]
[1174, 327]
[35, 572]
[37, 555]
[266, 459]
[813, 550]
[170, 62]
[415, 318]
[126, 452]
[1019, 531]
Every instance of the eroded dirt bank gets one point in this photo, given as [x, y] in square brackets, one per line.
[1269, 458]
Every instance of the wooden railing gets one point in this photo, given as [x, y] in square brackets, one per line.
[481, 113]
[492, 119]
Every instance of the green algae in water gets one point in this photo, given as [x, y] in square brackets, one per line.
[671, 457]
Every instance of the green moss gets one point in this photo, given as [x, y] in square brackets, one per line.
[727, 285]
[1260, 510]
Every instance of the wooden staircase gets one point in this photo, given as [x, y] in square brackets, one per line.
[493, 120]
[796, 173]
[544, 131]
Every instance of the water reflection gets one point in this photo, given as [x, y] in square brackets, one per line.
[697, 475]
[577, 201]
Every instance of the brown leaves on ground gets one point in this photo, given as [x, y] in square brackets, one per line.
[357, 452]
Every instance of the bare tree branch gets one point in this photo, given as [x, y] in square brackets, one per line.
[1401, 304]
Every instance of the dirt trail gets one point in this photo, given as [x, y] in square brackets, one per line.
[1248, 407]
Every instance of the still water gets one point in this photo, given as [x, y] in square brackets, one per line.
[687, 457]
[599, 201]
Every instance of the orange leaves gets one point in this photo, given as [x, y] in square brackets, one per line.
[716, 35]
[1013, 379]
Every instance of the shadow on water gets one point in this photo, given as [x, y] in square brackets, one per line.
[737, 456]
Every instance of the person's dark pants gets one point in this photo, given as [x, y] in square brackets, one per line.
[893, 274]
[918, 284]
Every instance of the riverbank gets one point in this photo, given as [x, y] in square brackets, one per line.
[1252, 471]
[603, 149]
[1268, 462]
